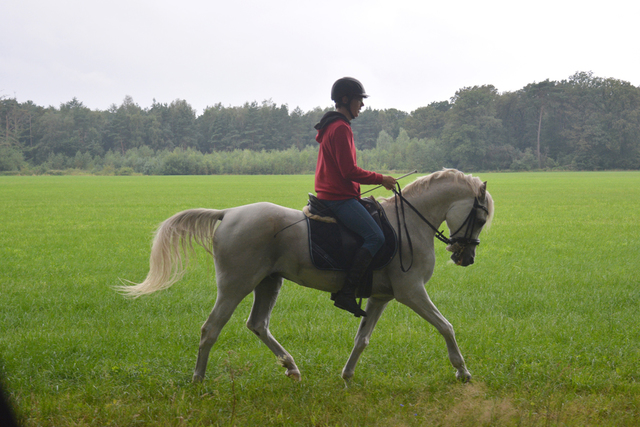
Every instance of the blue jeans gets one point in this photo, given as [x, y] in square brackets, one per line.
[356, 218]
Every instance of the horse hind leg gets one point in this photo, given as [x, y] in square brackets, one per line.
[222, 310]
[265, 296]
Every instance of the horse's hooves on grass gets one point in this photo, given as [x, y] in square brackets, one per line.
[294, 374]
[347, 381]
[197, 379]
[346, 376]
[464, 377]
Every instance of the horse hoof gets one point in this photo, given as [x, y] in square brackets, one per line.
[197, 378]
[464, 376]
[346, 375]
[294, 374]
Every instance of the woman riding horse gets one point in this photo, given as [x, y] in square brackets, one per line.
[337, 183]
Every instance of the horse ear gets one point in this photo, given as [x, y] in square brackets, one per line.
[483, 190]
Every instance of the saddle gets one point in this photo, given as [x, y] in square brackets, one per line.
[332, 246]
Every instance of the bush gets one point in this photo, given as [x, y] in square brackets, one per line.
[82, 161]
[189, 162]
[11, 159]
[124, 171]
[526, 161]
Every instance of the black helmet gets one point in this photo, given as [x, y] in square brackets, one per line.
[347, 86]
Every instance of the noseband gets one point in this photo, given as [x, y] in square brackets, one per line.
[460, 242]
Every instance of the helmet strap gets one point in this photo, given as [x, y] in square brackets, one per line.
[347, 106]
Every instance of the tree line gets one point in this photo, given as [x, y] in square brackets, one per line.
[581, 123]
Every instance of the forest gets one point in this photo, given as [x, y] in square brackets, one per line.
[582, 123]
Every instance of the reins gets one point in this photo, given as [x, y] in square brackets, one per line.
[462, 242]
[466, 240]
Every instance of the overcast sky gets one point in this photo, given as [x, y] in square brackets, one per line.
[406, 53]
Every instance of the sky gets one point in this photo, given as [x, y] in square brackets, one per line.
[406, 53]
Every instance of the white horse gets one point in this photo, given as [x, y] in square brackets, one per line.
[252, 253]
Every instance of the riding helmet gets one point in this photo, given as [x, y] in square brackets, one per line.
[347, 86]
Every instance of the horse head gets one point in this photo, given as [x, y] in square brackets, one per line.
[468, 217]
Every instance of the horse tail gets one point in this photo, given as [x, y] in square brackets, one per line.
[173, 246]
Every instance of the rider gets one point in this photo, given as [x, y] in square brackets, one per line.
[338, 180]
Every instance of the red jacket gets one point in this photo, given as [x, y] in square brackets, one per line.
[338, 177]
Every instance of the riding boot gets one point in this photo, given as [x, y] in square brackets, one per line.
[346, 297]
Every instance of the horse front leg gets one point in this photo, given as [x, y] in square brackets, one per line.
[420, 302]
[374, 310]
[265, 296]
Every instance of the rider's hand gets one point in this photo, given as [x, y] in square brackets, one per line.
[388, 182]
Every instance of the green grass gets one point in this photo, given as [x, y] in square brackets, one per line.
[546, 318]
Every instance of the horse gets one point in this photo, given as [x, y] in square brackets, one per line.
[255, 247]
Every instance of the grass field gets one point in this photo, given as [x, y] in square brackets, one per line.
[547, 317]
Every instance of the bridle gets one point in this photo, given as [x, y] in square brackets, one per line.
[458, 244]
[470, 222]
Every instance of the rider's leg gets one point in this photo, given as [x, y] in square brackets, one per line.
[355, 217]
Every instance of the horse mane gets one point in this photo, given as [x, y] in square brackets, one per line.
[422, 183]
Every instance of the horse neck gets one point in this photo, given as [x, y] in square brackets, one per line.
[435, 201]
